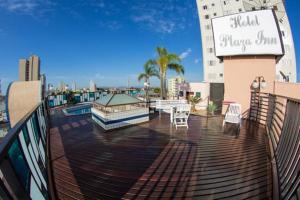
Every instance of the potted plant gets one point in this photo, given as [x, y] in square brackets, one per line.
[212, 107]
[194, 100]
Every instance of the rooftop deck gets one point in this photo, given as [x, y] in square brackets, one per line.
[154, 160]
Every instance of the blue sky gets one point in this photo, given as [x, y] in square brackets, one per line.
[103, 40]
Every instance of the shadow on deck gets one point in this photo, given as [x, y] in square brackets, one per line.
[154, 160]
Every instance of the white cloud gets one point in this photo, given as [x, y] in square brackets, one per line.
[28, 7]
[197, 60]
[18, 5]
[162, 16]
[185, 54]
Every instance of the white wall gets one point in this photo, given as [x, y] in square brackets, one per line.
[204, 89]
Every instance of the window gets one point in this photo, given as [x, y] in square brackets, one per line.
[205, 7]
[286, 48]
[207, 27]
[210, 50]
[206, 16]
[280, 20]
[215, 14]
[198, 94]
[209, 38]
[240, 10]
[275, 8]
[282, 33]
[212, 76]
[253, 8]
[221, 75]
[212, 4]
[211, 63]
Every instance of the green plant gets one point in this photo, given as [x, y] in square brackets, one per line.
[194, 100]
[70, 98]
[156, 90]
[149, 71]
[212, 107]
[165, 61]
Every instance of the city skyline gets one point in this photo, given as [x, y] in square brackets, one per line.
[103, 41]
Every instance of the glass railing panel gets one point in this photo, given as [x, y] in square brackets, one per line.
[23, 159]
[19, 164]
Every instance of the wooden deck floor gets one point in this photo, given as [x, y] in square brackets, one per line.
[155, 161]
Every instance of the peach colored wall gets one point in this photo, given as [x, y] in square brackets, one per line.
[239, 73]
[204, 89]
[291, 90]
[23, 96]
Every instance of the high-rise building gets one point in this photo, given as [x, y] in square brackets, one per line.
[173, 86]
[74, 86]
[93, 86]
[43, 81]
[62, 87]
[29, 69]
[213, 66]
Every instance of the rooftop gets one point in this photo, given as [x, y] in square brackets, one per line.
[154, 160]
[117, 99]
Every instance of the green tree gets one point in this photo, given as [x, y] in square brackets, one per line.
[156, 90]
[149, 71]
[165, 61]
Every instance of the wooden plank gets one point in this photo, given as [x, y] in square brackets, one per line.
[154, 160]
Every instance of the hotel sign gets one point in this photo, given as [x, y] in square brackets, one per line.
[249, 33]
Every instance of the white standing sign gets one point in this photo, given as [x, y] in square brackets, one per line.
[249, 33]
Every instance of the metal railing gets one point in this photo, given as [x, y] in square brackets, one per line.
[24, 166]
[281, 116]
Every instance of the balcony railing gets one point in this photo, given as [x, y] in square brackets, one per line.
[24, 158]
[281, 116]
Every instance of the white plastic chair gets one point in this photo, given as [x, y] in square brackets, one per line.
[233, 114]
[181, 115]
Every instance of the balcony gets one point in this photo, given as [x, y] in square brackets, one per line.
[73, 158]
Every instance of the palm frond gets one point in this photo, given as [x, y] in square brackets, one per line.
[195, 99]
[150, 63]
[173, 58]
[142, 76]
[176, 67]
[150, 68]
[161, 51]
[154, 72]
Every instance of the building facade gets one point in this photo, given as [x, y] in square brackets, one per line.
[74, 86]
[29, 69]
[213, 66]
[93, 87]
[173, 90]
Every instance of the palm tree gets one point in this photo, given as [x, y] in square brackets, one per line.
[149, 71]
[164, 62]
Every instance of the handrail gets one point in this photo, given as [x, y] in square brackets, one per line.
[281, 96]
[24, 160]
[281, 117]
[14, 131]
